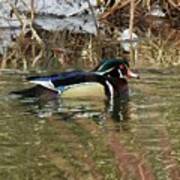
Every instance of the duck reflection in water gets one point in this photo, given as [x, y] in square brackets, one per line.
[101, 112]
[106, 83]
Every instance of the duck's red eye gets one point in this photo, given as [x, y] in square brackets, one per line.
[121, 66]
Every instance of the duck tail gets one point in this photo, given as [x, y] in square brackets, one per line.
[36, 91]
[30, 92]
[32, 78]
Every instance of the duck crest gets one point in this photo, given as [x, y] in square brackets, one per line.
[108, 64]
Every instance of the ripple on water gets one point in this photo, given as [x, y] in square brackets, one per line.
[71, 138]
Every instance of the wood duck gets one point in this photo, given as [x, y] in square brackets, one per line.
[107, 80]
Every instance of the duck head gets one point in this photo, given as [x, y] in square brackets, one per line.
[116, 68]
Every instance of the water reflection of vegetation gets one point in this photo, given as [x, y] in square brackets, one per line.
[133, 138]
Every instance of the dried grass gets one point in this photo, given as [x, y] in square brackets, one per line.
[41, 49]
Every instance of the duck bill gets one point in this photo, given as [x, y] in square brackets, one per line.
[131, 74]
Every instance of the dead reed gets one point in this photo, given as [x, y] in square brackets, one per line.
[41, 49]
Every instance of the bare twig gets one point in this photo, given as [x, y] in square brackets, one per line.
[131, 19]
[98, 35]
[131, 24]
[37, 58]
[115, 7]
[32, 11]
[16, 12]
[173, 4]
[94, 16]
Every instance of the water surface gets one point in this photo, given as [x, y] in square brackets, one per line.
[79, 139]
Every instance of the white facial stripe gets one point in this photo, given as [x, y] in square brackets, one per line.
[120, 73]
[104, 72]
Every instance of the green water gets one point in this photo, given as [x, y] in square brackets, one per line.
[73, 139]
